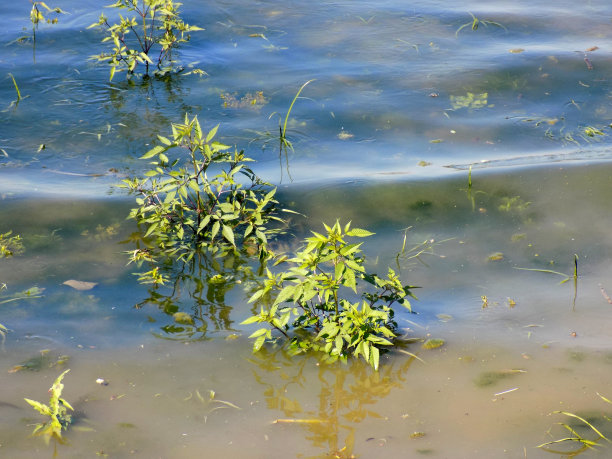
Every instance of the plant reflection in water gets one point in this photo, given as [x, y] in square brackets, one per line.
[347, 396]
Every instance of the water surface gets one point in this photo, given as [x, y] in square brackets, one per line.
[404, 102]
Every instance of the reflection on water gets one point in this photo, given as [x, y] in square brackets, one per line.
[200, 286]
[345, 398]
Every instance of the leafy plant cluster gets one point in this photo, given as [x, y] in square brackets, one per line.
[10, 245]
[56, 411]
[312, 297]
[37, 15]
[204, 198]
[148, 37]
[201, 199]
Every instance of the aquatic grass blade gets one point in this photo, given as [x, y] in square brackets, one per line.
[284, 130]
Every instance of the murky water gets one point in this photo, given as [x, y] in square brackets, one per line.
[404, 100]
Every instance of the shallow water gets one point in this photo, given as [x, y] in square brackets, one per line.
[384, 136]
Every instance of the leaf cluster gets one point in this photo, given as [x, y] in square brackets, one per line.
[57, 411]
[148, 36]
[199, 196]
[36, 13]
[10, 245]
[317, 296]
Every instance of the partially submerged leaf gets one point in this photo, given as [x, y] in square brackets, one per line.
[433, 343]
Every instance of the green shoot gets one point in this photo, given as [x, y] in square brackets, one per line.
[16, 87]
[56, 411]
[416, 251]
[19, 96]
[567, 277]
[283, 129]
[476, 23]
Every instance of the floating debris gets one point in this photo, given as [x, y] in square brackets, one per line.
[80, 285]
[345, 135]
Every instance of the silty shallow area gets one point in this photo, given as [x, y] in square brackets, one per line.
[402, 104]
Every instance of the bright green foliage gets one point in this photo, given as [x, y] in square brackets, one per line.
[56, 411]
[185, 211]
[36, 14]
[313, 297]
[148, 37]
[10, 245]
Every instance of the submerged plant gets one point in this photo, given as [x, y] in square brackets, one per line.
[573, 276]
[10, 245]
[149, 37]
[470, 101]
[582, 441]
[56, 411]
[184, 211]
[317, 301]
[475, 23]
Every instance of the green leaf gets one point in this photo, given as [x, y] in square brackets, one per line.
[251, 320]
[259, 343]
[257, 295]
[215, 229]
[349, 279]
[285, 294]
[358, 232]
[40, 407]
[375, 357]
[211, 133]
[228, 234]
[339, 270]
[164, 140]
[154, 151]
[260, 332]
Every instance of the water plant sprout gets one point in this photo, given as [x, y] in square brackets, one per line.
[56, 411]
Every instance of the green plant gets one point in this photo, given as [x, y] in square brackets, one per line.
[470, 101]
[36, 15]
[575, 438]
[312, 297]
[476, 22]
[10, 245]
[184, 211]
[573, 276]
[470, 192]
[57, 411]
[284, 141]
[149, 37]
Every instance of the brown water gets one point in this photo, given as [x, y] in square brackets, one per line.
[488, 392]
